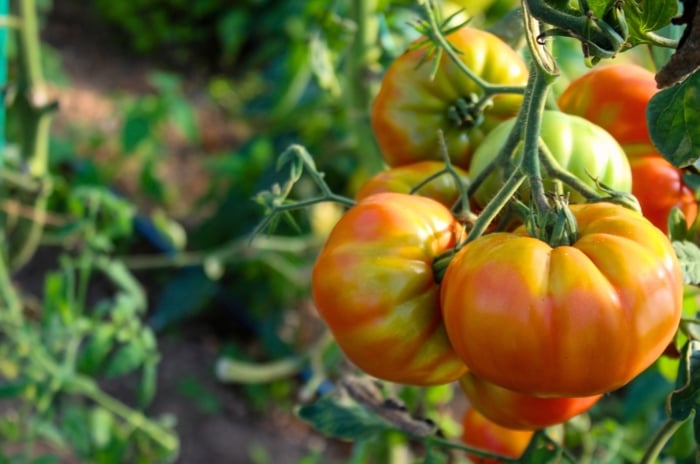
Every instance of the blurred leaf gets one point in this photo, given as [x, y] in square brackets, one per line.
[677, 226]
[322, 65]
[684, 399]
[126, 359]
[644, 16]
[137, 128]
[75, 425]
[147, 385]
[342, 419]
[689, 257]
[674, 121]
[229, 28]
[96, 349]
[644, 394]
[150, 182]
[185, 294]
[12, 389]
[435, 455]
[541, 452]
[205, 400]
[101, 422]
[46, 459]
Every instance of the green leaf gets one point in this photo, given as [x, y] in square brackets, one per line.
[689, 257]
[136, 129]
[599, 7]
[126, 359]
[340, 418]
[677, 227]
[435, 455]
[96, 349]
[101, 421]
[148, 383]
[684, 399]
[12, 389]
[647, 16]
[674, 121]
[541, 451]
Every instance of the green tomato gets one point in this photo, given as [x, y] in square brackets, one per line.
[584, 149]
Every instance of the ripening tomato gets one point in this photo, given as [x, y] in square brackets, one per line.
[374, 287]
[614, 97]
[403, 179]
[480, 432]
[519, 411]
[579, 146]
[412, 106]
[659, 187]
[572, 320]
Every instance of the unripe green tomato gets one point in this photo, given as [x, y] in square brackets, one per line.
[577, 145]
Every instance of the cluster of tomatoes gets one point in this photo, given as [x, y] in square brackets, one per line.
[533, 333]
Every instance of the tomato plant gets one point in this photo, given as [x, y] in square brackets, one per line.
[577, 145]
[659, 187]
[480, 432]
[373, 284]
[403, 179]
[614, 97]
[575, 320]
[515, 410]
[412, 104]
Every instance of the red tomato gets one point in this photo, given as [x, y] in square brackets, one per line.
[614, 97]
[519, 411]
[574, 320]
[479, 432]
[413, 104]
[659, 187]
[373, 285]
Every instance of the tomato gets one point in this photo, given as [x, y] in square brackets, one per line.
[578, 146]
[519, 411]
[573, 320]
[614, 97]
[402, 179]
[659, 187]
[412, 106]
[480, 432]
[373, 285]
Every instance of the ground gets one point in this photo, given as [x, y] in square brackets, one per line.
[97, 68]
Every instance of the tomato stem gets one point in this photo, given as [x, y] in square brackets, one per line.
[437, 37]
[534, 107]
[663, 435]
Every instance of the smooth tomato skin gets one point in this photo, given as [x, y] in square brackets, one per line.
[568, 321]
[411, 106]
[614, 97]
[579, 146]
[374, 287]
[480, 432]
[403, 179]
[659, 187]
[519, 411]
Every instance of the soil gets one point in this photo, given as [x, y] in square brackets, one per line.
[97, 68]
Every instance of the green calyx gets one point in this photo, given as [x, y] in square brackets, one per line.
[555, 225]
[468, 112]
